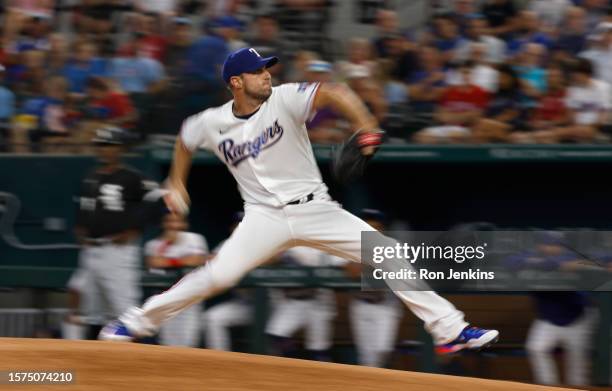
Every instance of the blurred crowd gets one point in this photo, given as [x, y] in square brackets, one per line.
[475, 71]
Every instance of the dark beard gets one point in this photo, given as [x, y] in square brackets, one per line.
[262, 97]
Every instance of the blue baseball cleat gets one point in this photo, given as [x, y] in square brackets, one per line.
[470, 338]
[115, 331]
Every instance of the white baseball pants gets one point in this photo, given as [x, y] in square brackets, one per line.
[315, 316]
[576, 340]
[265, 232]
[183, 329]
[218, 319]
[374, 328]
[108, 279]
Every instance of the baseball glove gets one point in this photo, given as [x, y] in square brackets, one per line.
[349, 160]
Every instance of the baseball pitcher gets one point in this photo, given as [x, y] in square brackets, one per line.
[261, 137]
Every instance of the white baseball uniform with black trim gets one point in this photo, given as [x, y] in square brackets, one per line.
[271, 158]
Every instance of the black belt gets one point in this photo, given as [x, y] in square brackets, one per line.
[302, 200]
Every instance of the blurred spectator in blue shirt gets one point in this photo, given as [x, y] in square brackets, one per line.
[27, 77]
[267, 42]
[50, 112]
[203, 69]
[387, 25]
[401, 57]
[166, 118]
[463, 12]
[531, 71]
[135, 72]
[573, 36]
[447, 37]
[529, 32]
[58, 55]
[34, 34]
[7, 99]
[501, 15]
[139, 76]
[82, 66]
[427, 84]
[7, 109]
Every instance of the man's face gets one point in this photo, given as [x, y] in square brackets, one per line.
[85, 52]
[387, 21]
[476, 28]
[59, 44]
[446, 28]
[38, 27]
[182, 33]
[257, 84]
[530, 21]
[576, 20]
[464, 7]
[533, 55]
[466, 75]
[147, 25]
[267, 28]
[109, 153]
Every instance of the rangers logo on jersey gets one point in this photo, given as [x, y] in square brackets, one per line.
[234, 153]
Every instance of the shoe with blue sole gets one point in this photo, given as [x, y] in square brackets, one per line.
[115, 331]
[473, 338]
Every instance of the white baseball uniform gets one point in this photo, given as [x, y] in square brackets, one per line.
[271, 158]
[218, 319]
[576, 340]
[107, 280]
[183, 329]
[314, 312]
[375, 318]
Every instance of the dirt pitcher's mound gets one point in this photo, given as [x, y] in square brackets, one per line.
[124, 366]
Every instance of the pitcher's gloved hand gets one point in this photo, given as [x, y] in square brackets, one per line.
[351, 157]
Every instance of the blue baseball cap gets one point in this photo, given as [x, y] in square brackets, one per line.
[245, 60]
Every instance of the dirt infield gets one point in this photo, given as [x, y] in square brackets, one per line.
[123, 366]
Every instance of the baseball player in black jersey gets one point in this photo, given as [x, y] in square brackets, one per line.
[115, 202]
